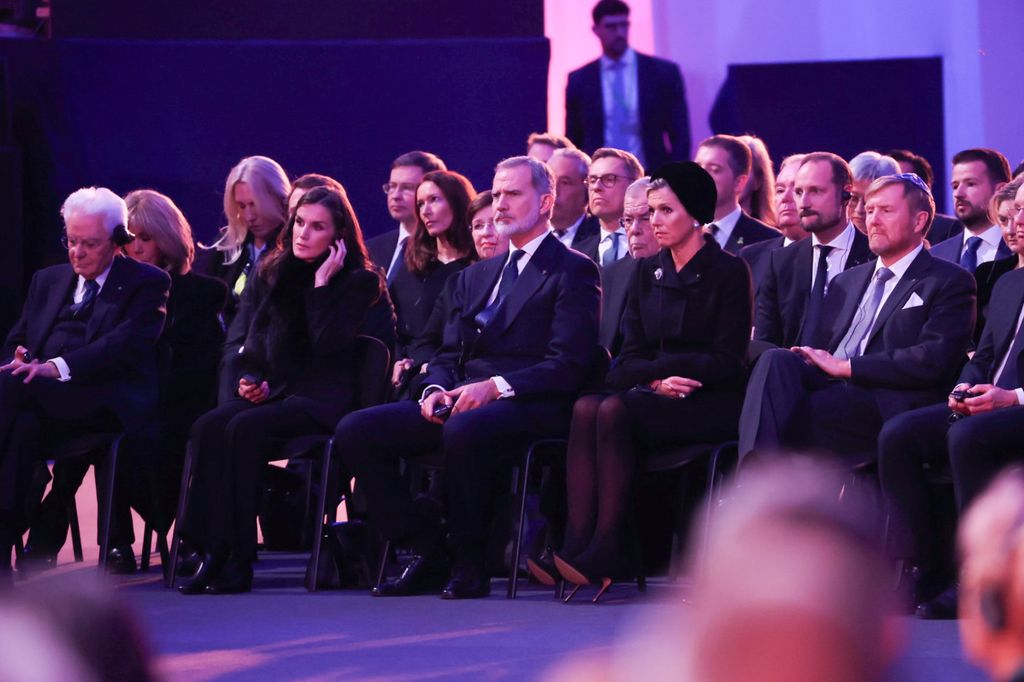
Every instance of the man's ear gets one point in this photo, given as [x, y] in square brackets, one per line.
[741, 182]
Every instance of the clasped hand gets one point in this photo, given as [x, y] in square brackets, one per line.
[986, 399]
[31, 369]
[254, 392]
[463, 399]
[675, 387]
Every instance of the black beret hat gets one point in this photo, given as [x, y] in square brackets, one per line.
[693, 186]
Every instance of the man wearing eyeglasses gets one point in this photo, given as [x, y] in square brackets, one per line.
[611, 172]
[82, 353]
[387, 250]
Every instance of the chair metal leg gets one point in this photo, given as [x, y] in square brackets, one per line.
[383, 563]
[147, 547]
[318, 521]
[179, 517]
[76, 531]
[307, 499]
[107, 512]
[524, 478]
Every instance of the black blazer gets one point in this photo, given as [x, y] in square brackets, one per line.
[382, 248]
[210, 262]
[663, 114]
[315, 360]
[1003, 311]
[943, 227]
[986, 277]
[195, 335]
[693, 323]
[782, 298]
[414, 296]
[912, 354]
[758, 256]
[748, 231]
[952, 248]
[587, 229]
[543, 338]
[615, 282]
[118, 358]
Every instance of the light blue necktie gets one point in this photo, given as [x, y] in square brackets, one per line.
[865, 317]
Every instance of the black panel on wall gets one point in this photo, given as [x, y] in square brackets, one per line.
[844, 107]
[295, 19]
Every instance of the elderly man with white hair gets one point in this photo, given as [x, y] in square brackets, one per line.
[83, 351]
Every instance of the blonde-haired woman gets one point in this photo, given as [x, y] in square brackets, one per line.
[256, 207]
[193, 331]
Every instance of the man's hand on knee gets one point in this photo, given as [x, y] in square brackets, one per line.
[472, 396]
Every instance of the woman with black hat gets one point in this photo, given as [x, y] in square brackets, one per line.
[678, 379]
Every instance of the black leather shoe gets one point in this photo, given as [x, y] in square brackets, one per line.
[467, 583]
[236, 578]
[34, 559]
[188, 563]
[421, 574]
[209, 568]
[121, 560]
[942, 607]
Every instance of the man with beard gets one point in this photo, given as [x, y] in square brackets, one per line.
[791, 297]
[977, 175]
[758, 256]
[518, 344]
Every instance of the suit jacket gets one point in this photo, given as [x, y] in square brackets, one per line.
[118, 357]
[1003, 311]
[587, 229]
[661, 99]
[543, 338]
[943, 227]
[693, 323]
[986, 277]
[912, 354]
[589, 247]
[382, 248]
[758, 257]
[782, 298]
[748, 231]
[615, 282]
[415, 296]
[952, 248]
[210, 262]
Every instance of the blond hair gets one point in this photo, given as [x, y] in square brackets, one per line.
[270, 188]
[155, 214]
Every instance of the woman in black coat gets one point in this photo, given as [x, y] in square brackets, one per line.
[678, 379]
[296, 377]
[1002, 214]
[441, 245]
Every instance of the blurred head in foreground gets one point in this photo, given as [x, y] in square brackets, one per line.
[992, 578]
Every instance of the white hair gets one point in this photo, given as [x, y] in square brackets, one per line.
[581, 158]
[872, 165]
[640, 185]
[96, 201]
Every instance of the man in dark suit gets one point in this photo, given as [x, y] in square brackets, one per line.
[758, 255]
[627, 100]
[617, 278]
[569, 219]
[977, 175]
[520, 338]
[82, 353]
[407, 171]
[611, 172]
[943, 226]
[729, 163]
[897, 332]
[983, 437]
[791, 297]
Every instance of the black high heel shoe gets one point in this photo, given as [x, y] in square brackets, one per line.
[209, 568]
[580, 574]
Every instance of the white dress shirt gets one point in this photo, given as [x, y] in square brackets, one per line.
[725, 226]
[898, 269]
[403, 234]
[632, 101]
[607, 241]
[837, 257]
[63, 370]
[570, 232]
[989, 247]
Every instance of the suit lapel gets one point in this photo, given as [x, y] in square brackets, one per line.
[900, 293]
[1006, 338]
[64, 288]
[108, 299]
[489, 271]
[737, 239]
[533, 275]
[594, 94]
[844, 319]
[859, 251]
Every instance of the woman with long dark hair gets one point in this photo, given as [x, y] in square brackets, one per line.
[296, 377]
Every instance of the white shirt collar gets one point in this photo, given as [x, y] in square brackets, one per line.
[571, 230]
[726, 225]
[991, 236]
[403, 233]
[899, 268]
[842, 242]
[529, 247]
[627, 59]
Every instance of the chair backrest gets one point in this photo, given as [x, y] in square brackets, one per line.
[372, 362]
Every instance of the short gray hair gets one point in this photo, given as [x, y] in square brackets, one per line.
[792, 158]
[96, 201]
[541, 177]
[581, 158]
[872, 165]
[640, 184]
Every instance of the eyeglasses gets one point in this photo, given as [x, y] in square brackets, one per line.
[404, 187]
[627, 223]
[87, 244]
[607, 181]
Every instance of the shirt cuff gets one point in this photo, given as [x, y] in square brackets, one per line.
[64, 371]
[432, 388]
[504, 390]
[1020, 395]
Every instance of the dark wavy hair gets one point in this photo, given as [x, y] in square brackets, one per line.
[346, 227]
[458, 192]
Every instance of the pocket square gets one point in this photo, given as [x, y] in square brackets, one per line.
[913, 301]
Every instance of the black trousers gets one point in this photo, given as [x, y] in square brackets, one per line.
[478, 448]
[790, 404]
[977, 447]
[230, 447]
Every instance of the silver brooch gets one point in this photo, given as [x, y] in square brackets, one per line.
[658, 274]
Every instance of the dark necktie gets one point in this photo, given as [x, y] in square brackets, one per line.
[611, 255]
[969, 258]
[1008, 378]
[91, 289]
[508, 279]
[396, 263]
[811, 319]
[849, 347]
